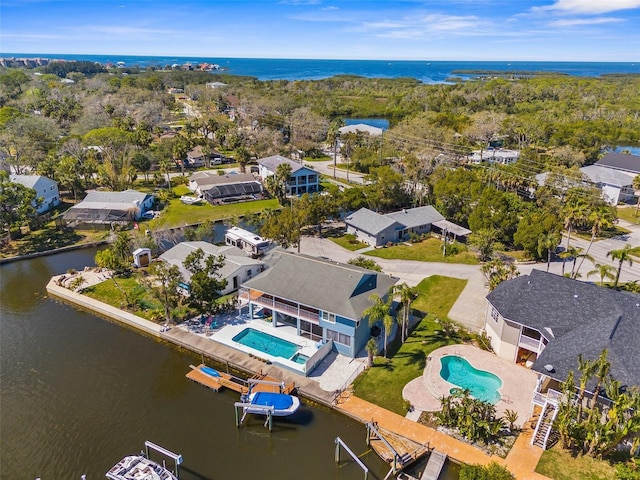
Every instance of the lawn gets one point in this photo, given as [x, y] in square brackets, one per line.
[178, 214]
[437, 294]
[143, 304]
[629, 214]
[349, 242]
[382, 384]
[558, 464]
[429, 250]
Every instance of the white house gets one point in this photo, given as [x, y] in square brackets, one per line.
[361, 128]
[108, 208]
[616, 185]
[302, 179]
[237, 268]
[503, 156]
[45, 188]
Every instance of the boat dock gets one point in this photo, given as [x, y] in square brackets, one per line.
[434, 465]
[260, 382]
[398, 451]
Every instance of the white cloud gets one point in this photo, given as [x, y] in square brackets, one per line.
[584, 21]
[589, 7]
[425, 25]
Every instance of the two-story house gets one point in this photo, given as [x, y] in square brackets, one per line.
[324, 300]
[302, 179]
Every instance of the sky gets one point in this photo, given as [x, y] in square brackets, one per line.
[528, 30]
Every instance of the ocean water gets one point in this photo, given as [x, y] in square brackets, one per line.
[305, 69]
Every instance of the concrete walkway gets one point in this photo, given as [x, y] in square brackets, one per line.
[521, 460]
[469, 309]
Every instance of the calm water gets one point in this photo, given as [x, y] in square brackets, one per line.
[78, 393]
[307, 69]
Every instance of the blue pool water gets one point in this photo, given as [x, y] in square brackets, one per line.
[266, 343]
[483, 385]
[300, 358]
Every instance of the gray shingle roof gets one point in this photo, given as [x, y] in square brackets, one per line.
[234, 257]
[620, 161]
[30, 181]
[342, 289]
[577, 317]
[371, 222]
[415, 217]
[272, 163]
[206, 180]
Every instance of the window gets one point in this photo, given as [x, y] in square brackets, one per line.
[249, 272]
[329, 317]
[339, 337]
[494, 314]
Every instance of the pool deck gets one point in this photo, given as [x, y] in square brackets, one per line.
[518, 383]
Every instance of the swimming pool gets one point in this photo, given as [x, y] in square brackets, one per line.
[483, 385]
[266, 343]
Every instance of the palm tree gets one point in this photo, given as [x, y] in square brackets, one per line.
[622, 255]
[587, 369]
[548, 242]
[582, 257]
[574, 212]
[372, 349]
[604, 271]
[636, 188]
[242, 156]
[601, 217]
[380, 311]
[406, 294]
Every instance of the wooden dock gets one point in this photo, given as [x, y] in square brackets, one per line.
[258, 383]
[434, 465]
[398, 451]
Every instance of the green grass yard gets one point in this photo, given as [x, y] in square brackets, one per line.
[429, 250]
[349, 242]
[407, 361]
[629, 214]
[559, 464]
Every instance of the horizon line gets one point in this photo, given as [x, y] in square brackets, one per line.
[43, 55]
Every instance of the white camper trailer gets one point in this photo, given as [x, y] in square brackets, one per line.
[249, 242]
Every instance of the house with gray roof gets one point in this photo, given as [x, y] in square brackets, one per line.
[102, 208]
[229, 187]
[302, 179]
[377, 229]
[621, 161]
[616, 185]
[237, 268]
[45, 188]
[323, 300]
[544, 321]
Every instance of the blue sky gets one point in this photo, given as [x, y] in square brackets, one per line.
[562, 30]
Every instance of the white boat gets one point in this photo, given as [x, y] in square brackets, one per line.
[138, 467]
[282, 403]
[190, 200]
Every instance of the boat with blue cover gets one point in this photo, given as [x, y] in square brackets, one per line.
[282, 403]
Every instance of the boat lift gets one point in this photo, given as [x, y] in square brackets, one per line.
[176, 457]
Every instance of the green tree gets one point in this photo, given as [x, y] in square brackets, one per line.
[486, 241]
[142, 162]
[604, 271]
[497, 271]
[281, 226]
[636, 188]
[16, 203]
[205, 283]
[372, 349]
[621, 255]
[406, 295]
[380, 311]
[278, 183]
[601, 218]
[493, 471]
[243, 157]
[548, 243]
[162, 284]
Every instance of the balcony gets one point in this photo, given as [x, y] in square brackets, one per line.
[282, 307]
[530, 343]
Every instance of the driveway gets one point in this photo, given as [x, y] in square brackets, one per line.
[469, 309]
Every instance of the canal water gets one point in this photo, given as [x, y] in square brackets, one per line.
[79, 392]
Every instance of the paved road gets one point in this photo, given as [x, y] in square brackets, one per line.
[326, 168]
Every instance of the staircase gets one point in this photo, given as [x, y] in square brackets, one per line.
[543, 427]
